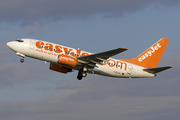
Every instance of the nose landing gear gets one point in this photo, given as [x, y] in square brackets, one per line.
[22, 60]
[21, 55]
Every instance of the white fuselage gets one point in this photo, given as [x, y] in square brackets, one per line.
[49, 52]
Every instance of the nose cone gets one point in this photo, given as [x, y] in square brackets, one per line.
[10, 44]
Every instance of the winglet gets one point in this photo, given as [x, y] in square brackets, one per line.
[150, 57]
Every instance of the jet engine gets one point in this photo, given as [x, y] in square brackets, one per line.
[67, 60]
[59, 68]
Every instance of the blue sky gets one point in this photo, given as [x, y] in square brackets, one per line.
[31, 91]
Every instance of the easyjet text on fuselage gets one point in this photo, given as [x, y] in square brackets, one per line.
[75, 53]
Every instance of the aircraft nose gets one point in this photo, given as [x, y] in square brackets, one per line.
[10, 44]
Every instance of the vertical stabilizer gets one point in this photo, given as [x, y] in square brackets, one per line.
[150, 57]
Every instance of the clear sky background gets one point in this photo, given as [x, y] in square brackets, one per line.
[30, 91]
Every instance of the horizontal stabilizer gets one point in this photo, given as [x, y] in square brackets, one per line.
[157, 70]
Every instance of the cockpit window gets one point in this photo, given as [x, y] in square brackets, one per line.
[20, 40]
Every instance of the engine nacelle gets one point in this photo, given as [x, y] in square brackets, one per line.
[59, 68]
[67, 60]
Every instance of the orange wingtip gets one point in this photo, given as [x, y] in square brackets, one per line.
[124, 48]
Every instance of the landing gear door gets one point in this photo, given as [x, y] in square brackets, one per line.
[32, 44]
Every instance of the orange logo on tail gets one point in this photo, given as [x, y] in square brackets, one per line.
[149, 53]
[150, 57]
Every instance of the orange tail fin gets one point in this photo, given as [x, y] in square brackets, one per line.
[150, 57]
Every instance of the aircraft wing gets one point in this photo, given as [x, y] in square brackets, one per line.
[93, 59]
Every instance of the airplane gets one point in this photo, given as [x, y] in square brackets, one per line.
[64, 59]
